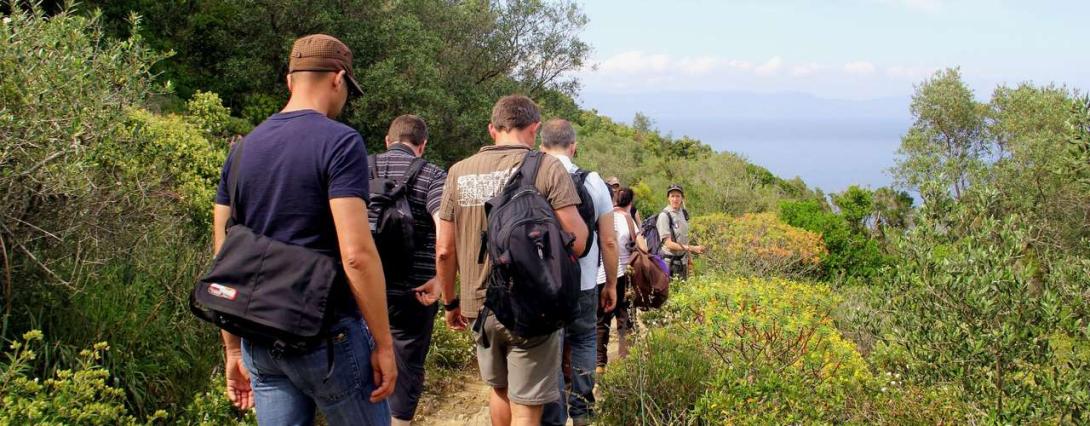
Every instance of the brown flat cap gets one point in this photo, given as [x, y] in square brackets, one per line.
[613, 181]
[320, 52]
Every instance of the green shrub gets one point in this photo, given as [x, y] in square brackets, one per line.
[660, 381]
[975, 303]
[82, 395]
[212, 408]
[761, 351]
[106, 207]
[852, 254]
[757, 245]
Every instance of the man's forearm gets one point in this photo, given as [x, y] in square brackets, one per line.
[368, 285]
[607, 239]
[231, 342]
[446, 259]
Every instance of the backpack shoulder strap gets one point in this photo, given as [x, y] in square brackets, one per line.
[670, 218]
[372, 163]
[414, 169]
[628, 220]
[232, 181]
[531, 163]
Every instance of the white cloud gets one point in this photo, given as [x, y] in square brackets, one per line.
[806, 70]
[771, 67]
[639, 71]
[859, 68]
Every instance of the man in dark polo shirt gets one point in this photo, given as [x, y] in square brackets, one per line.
[411, 296]
[302, 180]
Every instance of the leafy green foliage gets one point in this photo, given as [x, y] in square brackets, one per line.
[104, 213]
[852, 253]
[757, 245]
[660, 381]
[948, 141]
[759, 351]
[72, 396]
[973, 302]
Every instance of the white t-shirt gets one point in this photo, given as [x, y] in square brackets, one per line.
[623, 253]
[603, 203]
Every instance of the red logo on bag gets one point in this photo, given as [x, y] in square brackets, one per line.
[222, 291]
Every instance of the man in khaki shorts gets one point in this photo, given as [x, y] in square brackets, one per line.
[521, 371]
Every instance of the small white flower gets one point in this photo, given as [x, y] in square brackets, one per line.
[7, 19]
[898, 375]
[883, 388]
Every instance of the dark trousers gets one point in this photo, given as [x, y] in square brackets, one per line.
[604, 318]
[679, 267]
[411, 325]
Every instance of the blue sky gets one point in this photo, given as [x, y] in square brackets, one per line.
[849, 49]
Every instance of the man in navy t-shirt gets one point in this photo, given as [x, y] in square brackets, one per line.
[303, 181]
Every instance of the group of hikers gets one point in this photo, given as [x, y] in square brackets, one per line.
[331, 265]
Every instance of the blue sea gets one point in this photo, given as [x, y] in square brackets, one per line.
[830, 143]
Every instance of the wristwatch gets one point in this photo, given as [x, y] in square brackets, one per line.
[454, 304]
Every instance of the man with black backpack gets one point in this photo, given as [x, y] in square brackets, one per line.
[294, 192]
[596, 210]
[405, 196]
[509, 225]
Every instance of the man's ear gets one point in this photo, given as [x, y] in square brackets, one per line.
[387, 140]
[421, 147]
[288, 79]
[532, 128]
[492, 131]
[338, 80]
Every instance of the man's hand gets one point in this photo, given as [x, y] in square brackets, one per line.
[385, 371]
[238, 381]
[608, 298]
[455, 320]
[428, 293]
[697, 249]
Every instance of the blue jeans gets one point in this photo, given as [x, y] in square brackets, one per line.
[580, 337]
[288, 387]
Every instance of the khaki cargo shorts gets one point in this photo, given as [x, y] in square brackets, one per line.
[527, 368]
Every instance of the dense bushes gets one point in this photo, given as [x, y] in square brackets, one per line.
[757, 245]
[852, 253]
[757, 351]
[104, 208]
[974, 303]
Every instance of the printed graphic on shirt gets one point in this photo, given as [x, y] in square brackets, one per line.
[475, 190]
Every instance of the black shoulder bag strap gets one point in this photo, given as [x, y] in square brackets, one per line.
[232, 181]
[372, 163]
[530, 166]
[414, 169]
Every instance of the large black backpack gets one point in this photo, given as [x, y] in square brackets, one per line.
[392, 221]
[586, 207]
[533, 286]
